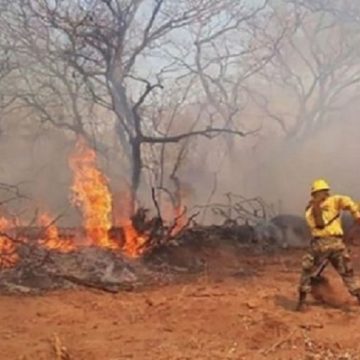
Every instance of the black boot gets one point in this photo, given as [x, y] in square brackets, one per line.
[301, 301]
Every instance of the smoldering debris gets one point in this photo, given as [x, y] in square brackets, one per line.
[41, 269]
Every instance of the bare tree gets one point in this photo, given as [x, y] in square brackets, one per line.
[316, 70]
[110, 53]
[8, 65]
[226, 55]
[346, 11]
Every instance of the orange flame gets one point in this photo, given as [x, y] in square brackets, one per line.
[91, 193]
[180, 219]
[51, 239]
[134, 242]
[8, 255]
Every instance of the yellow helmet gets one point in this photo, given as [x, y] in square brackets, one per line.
[319, 185]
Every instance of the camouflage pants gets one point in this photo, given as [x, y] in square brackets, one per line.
[338, 255]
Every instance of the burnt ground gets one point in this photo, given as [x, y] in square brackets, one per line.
[240, 306]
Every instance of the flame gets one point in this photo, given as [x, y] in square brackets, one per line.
[180, 219]
[51, 239]
[134, 242]
[91, 194]
[8, 254]
[123, 205]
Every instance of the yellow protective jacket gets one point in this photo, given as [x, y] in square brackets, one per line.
[331, 210]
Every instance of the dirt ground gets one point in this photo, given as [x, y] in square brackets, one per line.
[241, 308]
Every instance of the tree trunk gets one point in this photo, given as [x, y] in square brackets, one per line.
[136, 162]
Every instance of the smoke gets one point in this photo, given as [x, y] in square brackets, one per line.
[36, 161]
[268, 166]
[276, 169]
[284, 172]
[243, 85]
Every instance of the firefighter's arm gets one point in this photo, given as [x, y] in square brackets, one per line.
[318, 218]
[309, 219]
[346, 203]
[313, 215]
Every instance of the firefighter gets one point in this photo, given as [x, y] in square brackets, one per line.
[323, 216]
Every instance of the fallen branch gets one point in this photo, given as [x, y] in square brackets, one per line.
[186, 225]
[238, 208]
[111, 287]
